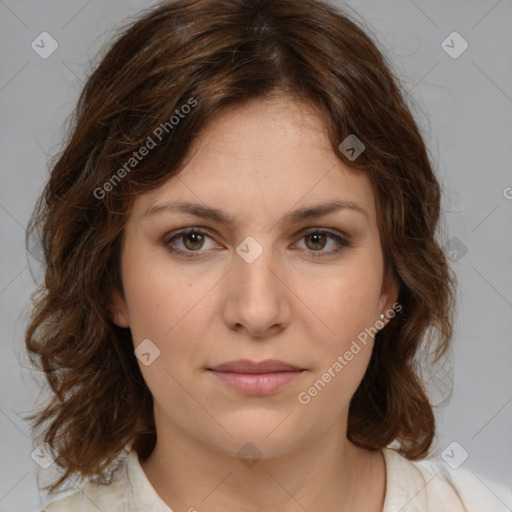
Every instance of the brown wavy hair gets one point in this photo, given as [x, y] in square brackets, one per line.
[220, 53]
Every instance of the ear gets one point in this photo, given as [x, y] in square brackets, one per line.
[119, 311]
[389, 292]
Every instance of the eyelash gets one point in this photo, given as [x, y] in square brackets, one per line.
[343, 243]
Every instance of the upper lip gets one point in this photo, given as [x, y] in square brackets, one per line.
[248, 366]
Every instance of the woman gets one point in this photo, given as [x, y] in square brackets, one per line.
[242, 272]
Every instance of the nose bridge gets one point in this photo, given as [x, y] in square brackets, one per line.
[252, 268]
[255, 297]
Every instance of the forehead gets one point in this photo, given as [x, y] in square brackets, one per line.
[264, 155]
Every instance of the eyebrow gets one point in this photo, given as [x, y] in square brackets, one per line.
[293, 217]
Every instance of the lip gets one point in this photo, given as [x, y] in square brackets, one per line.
[248, 366]
[256, 378]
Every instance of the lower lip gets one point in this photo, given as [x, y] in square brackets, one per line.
[257, 383]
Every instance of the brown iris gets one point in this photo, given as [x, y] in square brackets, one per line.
[197, 241]
[319, 241]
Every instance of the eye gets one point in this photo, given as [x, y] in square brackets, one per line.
[317, 239]
[192, 239]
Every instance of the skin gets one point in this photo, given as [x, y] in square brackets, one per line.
[257, 162]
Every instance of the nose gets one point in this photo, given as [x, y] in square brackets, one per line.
[256, 300]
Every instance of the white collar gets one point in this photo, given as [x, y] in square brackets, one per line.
[406, 489]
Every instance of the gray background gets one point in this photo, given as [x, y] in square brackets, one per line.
[464, 106]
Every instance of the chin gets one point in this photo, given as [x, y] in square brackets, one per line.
[260, 436]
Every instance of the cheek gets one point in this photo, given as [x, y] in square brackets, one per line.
[342, 343]
[169, 308]
[347, 300]
[161, 295]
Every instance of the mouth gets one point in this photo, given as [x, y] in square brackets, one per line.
[256, 378]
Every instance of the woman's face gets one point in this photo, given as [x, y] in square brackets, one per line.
[268, 283]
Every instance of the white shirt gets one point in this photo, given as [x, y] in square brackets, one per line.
[411, 486]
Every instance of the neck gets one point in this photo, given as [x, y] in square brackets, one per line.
[325, 473]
